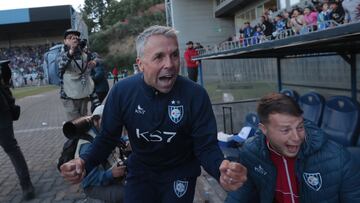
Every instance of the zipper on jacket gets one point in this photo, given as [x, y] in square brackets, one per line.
[288, 180]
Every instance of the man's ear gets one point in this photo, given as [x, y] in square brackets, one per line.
[139, 63]
[263, 128]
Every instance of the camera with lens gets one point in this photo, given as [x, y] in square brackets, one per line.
[5, 72]
[82, 43]
[80, 46]
[77, 127]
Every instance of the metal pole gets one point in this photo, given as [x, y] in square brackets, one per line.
[231, 119]
[278, 64]
[201, 74]
[351, 60]
[353, 76]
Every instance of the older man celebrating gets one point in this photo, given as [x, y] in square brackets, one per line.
[171, 127]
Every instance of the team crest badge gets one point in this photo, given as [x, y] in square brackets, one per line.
[313, 180]
[176, 113]
[180, 187]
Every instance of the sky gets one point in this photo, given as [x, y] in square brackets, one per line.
[14, 4]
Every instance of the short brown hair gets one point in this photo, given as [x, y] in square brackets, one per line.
[277, 103]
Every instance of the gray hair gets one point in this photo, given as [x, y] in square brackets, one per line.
[151, 31]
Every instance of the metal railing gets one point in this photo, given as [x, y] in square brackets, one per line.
[250, 41]
[218, 2]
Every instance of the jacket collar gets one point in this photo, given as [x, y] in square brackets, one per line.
[315, 138]
[149, 91]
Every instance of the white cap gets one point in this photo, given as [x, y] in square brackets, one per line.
[98, 110]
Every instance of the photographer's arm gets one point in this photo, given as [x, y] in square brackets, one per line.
[98, 176]
[73, 170]
[63, 60]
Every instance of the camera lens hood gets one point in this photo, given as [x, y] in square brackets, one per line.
[77, 127]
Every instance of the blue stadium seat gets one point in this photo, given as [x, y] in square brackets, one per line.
[341, 120]
[252, 120]
[291, 93]
[312, 104]
[249, 128]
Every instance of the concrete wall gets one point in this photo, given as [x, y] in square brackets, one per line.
[195, 21]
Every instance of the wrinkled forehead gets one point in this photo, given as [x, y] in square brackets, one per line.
[283, 120]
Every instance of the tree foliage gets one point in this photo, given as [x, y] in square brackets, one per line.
[100, 14]
[110, 21]
[120, 11]
[94, 12]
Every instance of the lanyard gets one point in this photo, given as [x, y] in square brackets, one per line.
[82, 68]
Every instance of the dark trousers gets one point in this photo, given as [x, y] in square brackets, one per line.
[115, 79]
[193, 73]
[147, 191]
[12, 149]
[101, 96]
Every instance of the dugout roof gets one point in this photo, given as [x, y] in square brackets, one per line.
[343, 40]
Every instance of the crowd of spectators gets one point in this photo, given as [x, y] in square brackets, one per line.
[314, 16]
[26, 62]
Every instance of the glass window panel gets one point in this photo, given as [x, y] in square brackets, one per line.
[293, 2]
[252, 14]
[282, 4]
[259, 11]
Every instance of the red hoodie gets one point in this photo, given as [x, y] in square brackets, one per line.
[287, 185]
[115, 72]
[188, 55]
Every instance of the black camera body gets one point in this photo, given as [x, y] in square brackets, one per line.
[5, 72]
[80, 47]
[82, 43]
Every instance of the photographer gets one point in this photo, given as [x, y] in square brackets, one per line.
[74, 71]
[106, 181]
[99, 77]
[8, 113]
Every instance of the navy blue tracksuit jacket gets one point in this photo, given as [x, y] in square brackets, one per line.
[170, 134]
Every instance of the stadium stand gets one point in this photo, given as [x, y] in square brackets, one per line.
[25, 59]
[252, 120]
[312, 104]
[309, 14]
[341, 119]
[26, 34]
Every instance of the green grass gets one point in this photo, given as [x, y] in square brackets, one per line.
[32, 90]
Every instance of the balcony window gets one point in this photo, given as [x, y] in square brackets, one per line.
[294, 2]
[282, 4]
